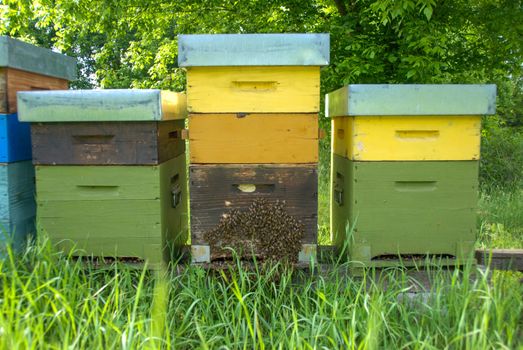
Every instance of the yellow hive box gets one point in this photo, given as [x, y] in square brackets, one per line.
[409, 122]
[253, 138]
[378, 138]
[256, 89]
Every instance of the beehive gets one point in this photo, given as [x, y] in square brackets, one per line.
[218, 190]
[116, 143]
[253, 138]
[135, 212]
[25, 67]
[111, 178]
[404, 171]
[17, 212]
[22, 67]
[253, 101]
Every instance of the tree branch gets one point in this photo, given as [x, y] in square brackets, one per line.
[341, 7]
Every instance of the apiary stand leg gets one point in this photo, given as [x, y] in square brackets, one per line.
[308, 252]
[200, 254]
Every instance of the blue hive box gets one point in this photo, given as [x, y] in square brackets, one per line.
[17, 204]
[15, 139]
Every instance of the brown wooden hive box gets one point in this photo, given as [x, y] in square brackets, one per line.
[217, 191]
[14, 80]
[118, 143]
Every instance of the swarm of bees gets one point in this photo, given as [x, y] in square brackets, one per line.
[264, 230]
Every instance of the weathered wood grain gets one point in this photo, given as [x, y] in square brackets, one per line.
[501, 259]
[174, 207]
[3, 90]
[404, 208]
[411, 99]
[412, 138]
[30, 58]
[15, 139]
[296, 49]
[253, 89]
[14, 80]
[253, 138]
[101, 105]
[123, 143]
[215, 190]
[17, 204]
[115, 210]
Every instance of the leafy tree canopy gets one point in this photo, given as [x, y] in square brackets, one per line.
[133, 43]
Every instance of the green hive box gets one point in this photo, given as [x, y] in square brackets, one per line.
[89, 205]
[404, 209]
[404, 175]
[137, 212]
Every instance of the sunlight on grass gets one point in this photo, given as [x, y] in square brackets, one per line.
[501, 219]
[51, 302]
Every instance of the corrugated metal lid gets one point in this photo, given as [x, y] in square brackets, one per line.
[253, 50]
[411, 99]
[100, 105]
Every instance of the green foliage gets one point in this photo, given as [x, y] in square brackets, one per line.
[133, 44]
[501, 157]
[50, 302]
[373, 41]
[501, 219]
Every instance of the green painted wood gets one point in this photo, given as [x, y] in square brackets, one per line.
[113, 247]
[411, 99]
[405, 208]
[299, 49]
[174, 208]
[17, 204]
[20, 55]
[120, 219]
[100, 105]
[86, 183]
[114, 210]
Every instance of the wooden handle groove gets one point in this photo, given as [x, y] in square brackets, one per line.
[415, 186]
[92, 139]
[95, 189]
[255, 86]
[417, 134]
[338, 189]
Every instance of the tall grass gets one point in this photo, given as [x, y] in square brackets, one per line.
[501, 219]
[51, 302]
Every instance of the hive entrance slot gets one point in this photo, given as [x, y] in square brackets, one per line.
[108, 260]
[411, 257]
